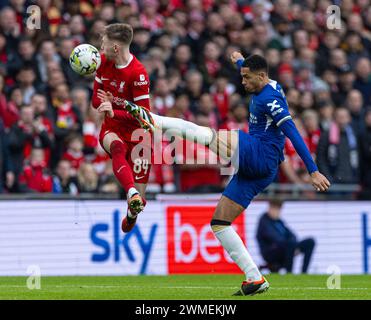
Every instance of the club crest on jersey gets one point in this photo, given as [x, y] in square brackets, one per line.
[121, 88]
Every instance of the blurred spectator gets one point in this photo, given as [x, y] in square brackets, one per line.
[9, 113]
[67, 118]
[194, 88]
[210, 63]
[74, 153]
[162, 97]
[337, 152]
[221, 92]
[354, 103]
[25, 78]
[26, 134]
[365, 155]
[311, 125]
[65, 48]
[326, 113]
[10, 27]
[237, 119]
[278, 244]
[202, 176]
[107, 180]
[35, 176]
[46, 53]
[6, 173]
[149, 17]
[63, 181]
[363, 79]
[185, 47]
[87, 178]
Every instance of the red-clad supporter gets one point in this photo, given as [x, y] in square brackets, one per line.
[26, 134]
[198, 166]
[221, 92]
[295, 159]
[35, 176]
[149, 17]
[208, 109]
[74, 153]
[237, 119]
[39, 104]
[162, 97]
[311, 124]
[100, 159]
[187, 43]
[9, 112]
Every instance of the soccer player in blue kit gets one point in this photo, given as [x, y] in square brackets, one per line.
[257, 154]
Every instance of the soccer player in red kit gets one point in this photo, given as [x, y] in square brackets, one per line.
[122, 77]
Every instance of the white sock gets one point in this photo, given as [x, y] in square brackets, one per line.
[231, 242]
[132, 191]
[184, 129]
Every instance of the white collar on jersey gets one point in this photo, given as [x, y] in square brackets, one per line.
[122, 66]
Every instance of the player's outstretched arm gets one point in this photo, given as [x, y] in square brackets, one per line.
[319, 181]
[237, 58]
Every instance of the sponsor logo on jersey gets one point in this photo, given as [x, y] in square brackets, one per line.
[274, 105]
[140, 83]
[118, 101]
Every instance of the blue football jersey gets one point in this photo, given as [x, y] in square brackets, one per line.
[268, 110]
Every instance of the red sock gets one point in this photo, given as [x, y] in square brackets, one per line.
[120, 166]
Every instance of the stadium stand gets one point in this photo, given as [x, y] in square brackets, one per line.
[49, 131]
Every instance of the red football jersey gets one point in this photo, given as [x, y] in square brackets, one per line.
[125, 82]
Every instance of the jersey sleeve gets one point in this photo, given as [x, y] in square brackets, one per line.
[276, 107]
[140, 88]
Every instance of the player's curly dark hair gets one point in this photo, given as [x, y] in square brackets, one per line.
[256, 62]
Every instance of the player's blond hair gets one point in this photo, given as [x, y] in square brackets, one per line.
[122, 32]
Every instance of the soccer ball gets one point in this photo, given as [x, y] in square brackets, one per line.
[85, 59]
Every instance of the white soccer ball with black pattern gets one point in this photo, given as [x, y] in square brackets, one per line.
[85, 59]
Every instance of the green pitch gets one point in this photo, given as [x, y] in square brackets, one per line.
[183, 287]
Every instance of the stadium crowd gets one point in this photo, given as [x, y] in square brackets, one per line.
[48, 138]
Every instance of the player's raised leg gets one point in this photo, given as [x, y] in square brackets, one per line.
[224, 143]
[225, 213]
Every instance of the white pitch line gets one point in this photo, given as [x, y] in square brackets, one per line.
[175, 287]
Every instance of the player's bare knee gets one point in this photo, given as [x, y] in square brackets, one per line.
[218, 225]
[108, 139]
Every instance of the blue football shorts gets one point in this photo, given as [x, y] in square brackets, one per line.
[257, 168]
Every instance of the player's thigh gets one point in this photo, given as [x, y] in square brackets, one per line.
[225, 144]
[227, 210]
[108, 139]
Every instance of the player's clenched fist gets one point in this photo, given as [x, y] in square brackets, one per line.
[236, 56]
[319, 181]
[106, 107]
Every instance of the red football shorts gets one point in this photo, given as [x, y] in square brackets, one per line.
[139, 154]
